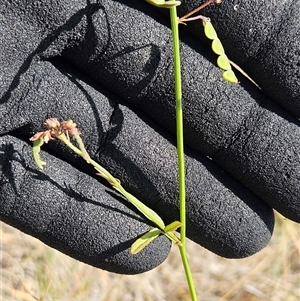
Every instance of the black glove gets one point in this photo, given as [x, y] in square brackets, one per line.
[108, 67]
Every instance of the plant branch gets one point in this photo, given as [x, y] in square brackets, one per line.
[180, 151]
[194, 11]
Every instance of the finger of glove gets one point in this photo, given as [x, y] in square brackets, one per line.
[222, 215]
[239, 128]
[261, 37]
[72, 212]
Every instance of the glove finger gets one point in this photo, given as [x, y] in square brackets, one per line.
[244, 132]
[137, 153]
[75, 214]
[239, 128]
[52, 93]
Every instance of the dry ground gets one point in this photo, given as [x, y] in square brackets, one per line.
[32, 271]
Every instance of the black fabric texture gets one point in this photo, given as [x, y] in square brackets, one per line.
[73, 212]
[108, 66]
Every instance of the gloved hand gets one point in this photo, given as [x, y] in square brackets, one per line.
[108, 66]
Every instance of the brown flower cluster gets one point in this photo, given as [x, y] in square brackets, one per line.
[55, 129]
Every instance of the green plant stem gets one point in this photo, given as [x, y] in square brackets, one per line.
[179, 122]
[149, 213]
[180, 150]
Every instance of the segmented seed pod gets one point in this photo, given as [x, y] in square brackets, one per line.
[217, 47]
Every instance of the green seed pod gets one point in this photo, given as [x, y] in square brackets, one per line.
[223, 62]
[229, 76]
[209, 30]
[217, 47]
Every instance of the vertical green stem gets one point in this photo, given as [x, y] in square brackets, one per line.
[180, 150]
[179, 121]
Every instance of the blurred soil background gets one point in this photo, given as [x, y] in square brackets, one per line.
[32, 271]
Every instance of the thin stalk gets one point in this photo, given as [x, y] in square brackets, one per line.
[179, 121]
[180, 151]
[194, 11]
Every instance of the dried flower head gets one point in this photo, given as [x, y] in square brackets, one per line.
[70, 127]
[45, 136]
[52, 124]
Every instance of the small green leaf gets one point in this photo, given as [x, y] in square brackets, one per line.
[223, 62]
[217, 47]
[36, 148]
[147, 212]
[230, 77]
[144, 241]
[173, 226]
[209, 30]
[163, 3]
